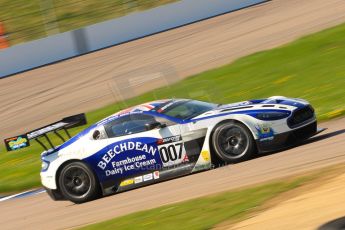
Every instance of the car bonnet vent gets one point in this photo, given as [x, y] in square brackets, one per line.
[267, 105]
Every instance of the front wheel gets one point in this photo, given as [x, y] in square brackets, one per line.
[78, 183]
[233, 142]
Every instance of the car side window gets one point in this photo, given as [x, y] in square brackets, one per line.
[116, 128]
[130, 124]
[138, 123]
[133, 123]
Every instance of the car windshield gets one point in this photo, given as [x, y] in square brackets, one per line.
[186, 109]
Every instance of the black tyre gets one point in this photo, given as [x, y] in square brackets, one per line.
[337, 224]
[232, 142]
[78, 183]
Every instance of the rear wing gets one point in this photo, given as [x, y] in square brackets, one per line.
[23, 141]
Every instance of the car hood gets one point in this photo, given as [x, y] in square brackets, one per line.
[268, 102]
[272, 103]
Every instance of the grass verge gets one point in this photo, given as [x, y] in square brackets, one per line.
[202, 213]
[208, 212]
[312, 68]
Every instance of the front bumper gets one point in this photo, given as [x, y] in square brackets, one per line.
[287, 139]
[48, 179]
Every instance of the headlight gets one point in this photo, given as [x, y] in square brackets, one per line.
[270, 116]
[45, 166]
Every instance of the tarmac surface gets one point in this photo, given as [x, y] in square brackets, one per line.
[40, 212]
[45, 95]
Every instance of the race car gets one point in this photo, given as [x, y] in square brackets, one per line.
[163, 139]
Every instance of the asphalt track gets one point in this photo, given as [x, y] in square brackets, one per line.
[40, 211]
[42, 96]
[77, 85]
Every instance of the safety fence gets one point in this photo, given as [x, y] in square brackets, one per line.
[65, 45]
[30, 20]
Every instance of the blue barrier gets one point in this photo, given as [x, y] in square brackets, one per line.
[62, 46]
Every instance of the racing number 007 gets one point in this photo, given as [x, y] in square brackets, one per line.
[171, 152]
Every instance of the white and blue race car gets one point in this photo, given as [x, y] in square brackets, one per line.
[164, 139]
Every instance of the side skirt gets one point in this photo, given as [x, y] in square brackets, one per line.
[167, 174]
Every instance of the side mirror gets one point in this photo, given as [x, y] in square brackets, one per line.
[96, 135]
[154, 125]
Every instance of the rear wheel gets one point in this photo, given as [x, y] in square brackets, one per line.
[233, 142]
[78, 183]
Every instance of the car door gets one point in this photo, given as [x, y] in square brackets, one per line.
[133, 147]
[159, 133]
[164, 135]
[170, 144]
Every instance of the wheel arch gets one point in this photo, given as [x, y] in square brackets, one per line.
[226, 121]
[58, 171]
[235, 121]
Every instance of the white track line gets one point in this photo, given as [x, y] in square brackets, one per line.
[22, 193]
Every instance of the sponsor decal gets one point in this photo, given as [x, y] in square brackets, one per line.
[17, 142]
[265, 132]
[265, 129]
[206, 155]
[138, 179]
[128, 162]
[125, 146]
[168, 140]
[185, 159]
[46, 129]
[166, 106]
[127, 182]
[267, 139]
[148, 177]
[126, 159]
[172, 153]
[156, 175]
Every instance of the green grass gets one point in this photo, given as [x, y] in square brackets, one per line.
[312, 68]
[19, 170]
[26, 20]
[201, 213]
